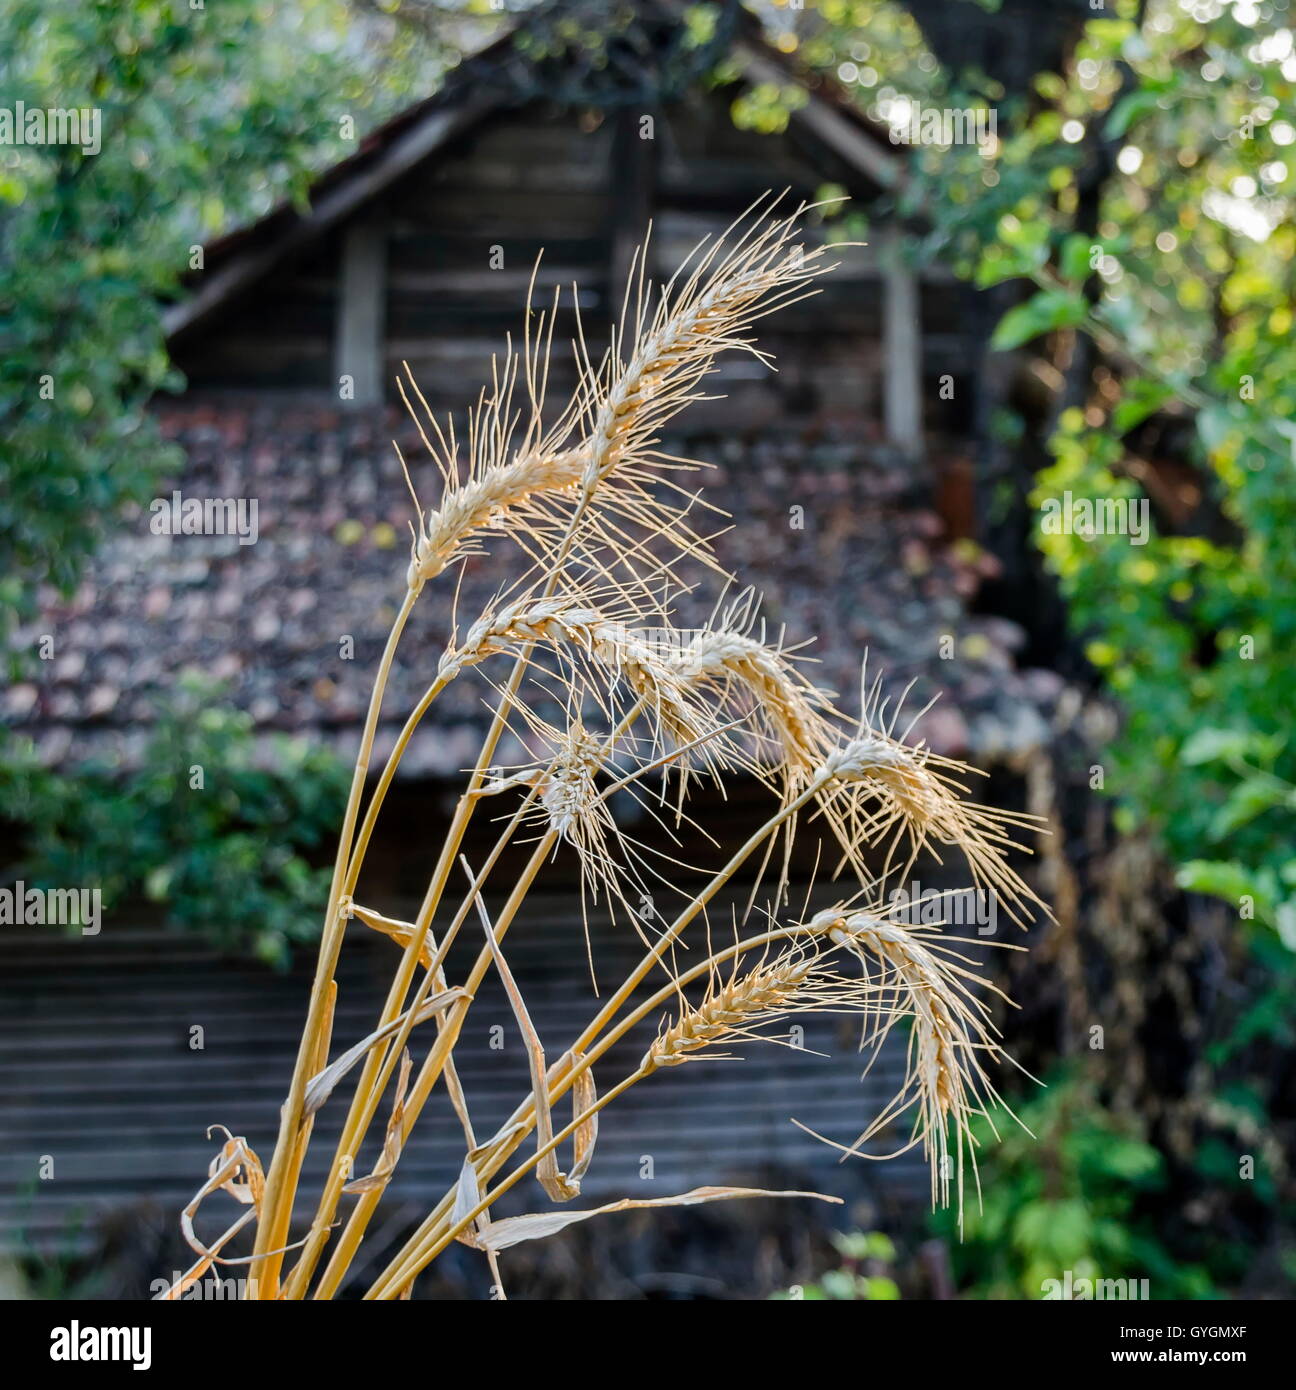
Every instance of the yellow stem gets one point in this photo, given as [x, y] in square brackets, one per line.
[347, 1245]
[294, 1133]
[405, 1275]
[385, 781]
[433, 1065]
[610, 1039]
[564, 1068]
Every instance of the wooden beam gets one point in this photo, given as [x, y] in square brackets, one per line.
[820, 116]
[902, 348]
[361, 309]
[631, 183]
[339, 202]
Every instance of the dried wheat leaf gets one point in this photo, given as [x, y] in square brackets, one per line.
[210, 1253]
[236, 1170]
[234, 1158]
[402, 933]
[467, 1196]
[584, 1099]
[498, 1140]
[197, 1270]
[555, 1183]
[512, 1230]
[392, 1141]
[320, 1086]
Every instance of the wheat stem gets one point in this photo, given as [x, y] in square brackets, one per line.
[672, 934]
[497, 1151]
[433, 1064]
[367, 1096]
[681, 346]
[575, 496]
[294, 1133]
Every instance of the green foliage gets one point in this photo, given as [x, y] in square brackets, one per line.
[864, 1276]
[207, 116]
[767, 107]
[1191, 635]
[1065, 1196]
[1144, 197]
[1044, 311]
[226, 858]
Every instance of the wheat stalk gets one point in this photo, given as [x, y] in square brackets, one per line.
[649, 375]
[890, 791]
[928, 983]
[646, 705]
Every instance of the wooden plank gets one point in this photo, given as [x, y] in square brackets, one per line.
[94, 1071]
[631, 179]
[362, 301]
[902, 332]
[333, 207]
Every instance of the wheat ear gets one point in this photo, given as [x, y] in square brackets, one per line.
[926, 981]
[605, 439]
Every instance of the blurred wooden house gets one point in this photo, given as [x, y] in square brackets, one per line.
[419, 249]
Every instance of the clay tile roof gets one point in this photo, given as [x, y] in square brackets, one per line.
[868, 571]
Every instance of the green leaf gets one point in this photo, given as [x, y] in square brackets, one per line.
[157, 883]
[1217, 878]
[1213, 745]
[1247, 801]
[1129, 110]
[1141, 399]
[1285, 922]
[1043, 312]
[1073, 260]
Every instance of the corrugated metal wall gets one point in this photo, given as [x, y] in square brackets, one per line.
[98, 1076]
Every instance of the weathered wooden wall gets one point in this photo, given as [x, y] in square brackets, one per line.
[580, 188]
[97, 1072]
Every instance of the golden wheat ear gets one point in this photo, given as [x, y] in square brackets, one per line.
[921, 976]
[798, 980]
[599, 460]
[604, 519]
[912, 801]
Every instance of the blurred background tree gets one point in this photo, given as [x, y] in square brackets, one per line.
[212, 114]
[1132, 228]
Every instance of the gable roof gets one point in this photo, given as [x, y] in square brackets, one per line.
[871, 569]
[501, 75]
[869, 572]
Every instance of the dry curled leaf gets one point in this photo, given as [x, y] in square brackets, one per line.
[320, 1086]
[235, 1170]
[562, 1187]
[467, 1196]
[402, 933]
[393, 1139]
[512, 1230]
